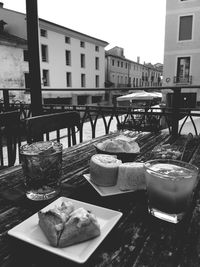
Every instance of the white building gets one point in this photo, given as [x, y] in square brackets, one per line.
[13, 68]
[182, 47]
[123, 72]
[69, 59]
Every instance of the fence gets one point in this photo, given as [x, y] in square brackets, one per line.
[140, 119]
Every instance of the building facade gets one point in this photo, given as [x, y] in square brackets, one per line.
[13, 68]
[68, 59]
[182, 47]
[123, 72]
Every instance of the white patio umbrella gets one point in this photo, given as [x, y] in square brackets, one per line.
[142, 95]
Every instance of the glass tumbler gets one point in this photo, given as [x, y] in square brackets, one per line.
[42, 167]
[170, 186]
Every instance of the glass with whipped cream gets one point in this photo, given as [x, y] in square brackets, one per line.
[170, 187]
[42, 167]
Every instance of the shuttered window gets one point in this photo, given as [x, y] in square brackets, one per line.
[185, 28]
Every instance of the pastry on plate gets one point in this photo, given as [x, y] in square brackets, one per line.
[131, 176]
[104, 169]
[119, 146]
[64, 226]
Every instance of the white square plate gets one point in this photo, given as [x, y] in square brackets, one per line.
[105, 191]
[29, 231]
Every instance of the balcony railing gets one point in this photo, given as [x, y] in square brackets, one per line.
[140, 119]
[183, 80]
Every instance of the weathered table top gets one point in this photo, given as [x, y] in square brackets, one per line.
[137, 239]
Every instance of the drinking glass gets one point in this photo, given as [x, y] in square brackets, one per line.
[42, 167]
[170, 186]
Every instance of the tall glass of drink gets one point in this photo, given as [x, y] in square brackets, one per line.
[42, 166]
[170, 187]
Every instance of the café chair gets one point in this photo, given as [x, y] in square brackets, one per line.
[9, 138]
[38, 128]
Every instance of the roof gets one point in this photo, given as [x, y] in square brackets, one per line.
[65, 28]
[12, 39]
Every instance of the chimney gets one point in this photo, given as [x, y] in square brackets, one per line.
[2, 24]
[1, 4]
[138, 59]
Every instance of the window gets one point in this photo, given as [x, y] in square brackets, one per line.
[113, 78]
[113, 62]
[27, 80]
[97, 81]
[118, 63]
[82, 99]
[44, 53]
[68, 57]
[45, 77]
[82, 44]
[185, 28]
[97, 63]
[183, 68]
[122, 64]
[82, 80]
[133, 82]
[97, 48]
[43, 33]
[126, 65]
[96, 99]
[82, 60]
[69, 79]
[67, 40]
[25, 54]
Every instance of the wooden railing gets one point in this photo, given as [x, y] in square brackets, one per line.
[140, 119]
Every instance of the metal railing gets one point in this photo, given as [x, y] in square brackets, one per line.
[183, 80]
[140, 118]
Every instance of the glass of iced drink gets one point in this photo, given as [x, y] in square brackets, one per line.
[42, 167]
[170, 186]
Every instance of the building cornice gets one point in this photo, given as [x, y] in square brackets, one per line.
[12, 40]
[69, 32]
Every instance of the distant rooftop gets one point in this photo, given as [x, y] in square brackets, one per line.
[12, 39]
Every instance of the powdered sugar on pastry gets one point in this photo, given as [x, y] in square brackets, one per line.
[64, 225]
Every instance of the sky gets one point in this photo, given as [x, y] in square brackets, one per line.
[138, 26]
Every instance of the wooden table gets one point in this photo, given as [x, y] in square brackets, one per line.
[138, 239]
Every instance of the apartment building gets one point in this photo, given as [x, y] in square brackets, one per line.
[123, 72]
[68, 59]
[182, 48]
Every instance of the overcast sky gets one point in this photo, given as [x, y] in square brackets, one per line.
[136, 25]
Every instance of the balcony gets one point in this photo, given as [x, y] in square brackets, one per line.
[183, 80]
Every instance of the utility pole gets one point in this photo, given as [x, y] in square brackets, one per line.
[34, 57]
